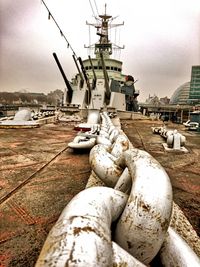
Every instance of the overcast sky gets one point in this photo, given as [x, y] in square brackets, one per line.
[161, 38]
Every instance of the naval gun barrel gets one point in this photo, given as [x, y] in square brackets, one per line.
[81, 76]
[105, 73]
[70, 90]
[94, 74]
[86, 79]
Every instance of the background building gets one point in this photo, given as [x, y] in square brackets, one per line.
[156, 101]
[181, 95]
[194, 96]
[189, 92]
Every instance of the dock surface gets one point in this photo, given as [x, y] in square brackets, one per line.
[182, 168]
[40, 175]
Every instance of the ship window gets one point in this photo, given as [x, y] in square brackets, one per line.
[86, 67]
[111, 68]
[115, 68]
[107, 67]
[119, 69]
[95, 67]
[100, 67]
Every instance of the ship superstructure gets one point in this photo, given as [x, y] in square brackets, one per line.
[100, 82]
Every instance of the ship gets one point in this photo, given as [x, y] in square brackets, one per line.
[99, 82]
[41, 174]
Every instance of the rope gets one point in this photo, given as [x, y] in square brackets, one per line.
[60, 30]
[96, 7]
[92, 8]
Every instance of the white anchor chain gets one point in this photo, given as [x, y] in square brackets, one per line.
[140, 203]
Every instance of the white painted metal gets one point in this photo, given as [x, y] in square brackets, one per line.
[104, 141]
[97, 99]
[174, 139]
[113, 135]
[81, 142]
[93, 116]
[78, 98]
[23, 115]
[176, 252]
[143, 225]
[65, 97]
[82, 237]
[142, 228]
[122, 258]
[121, 144]
[102, 163]
[124, 182]
[104, 133]
[111, 128]
[118, 101]
[21, 119]
[28, 124]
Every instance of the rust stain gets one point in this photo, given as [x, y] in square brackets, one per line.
[145, 207]
[164, 225]
[129, 244]
[77, 230]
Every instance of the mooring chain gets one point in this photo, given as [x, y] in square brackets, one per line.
[146, 217]
[137, 194]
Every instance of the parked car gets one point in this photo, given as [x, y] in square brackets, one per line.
[193, 126]
[187, 123]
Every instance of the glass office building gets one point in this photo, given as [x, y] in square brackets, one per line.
[194, 95]
[181, 95]
[189, 92]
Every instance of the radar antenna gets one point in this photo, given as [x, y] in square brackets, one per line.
[103, 25]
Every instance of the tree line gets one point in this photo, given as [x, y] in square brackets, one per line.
[52, 98]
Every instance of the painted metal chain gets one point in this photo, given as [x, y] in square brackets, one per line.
[137, 196]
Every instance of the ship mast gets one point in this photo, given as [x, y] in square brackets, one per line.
[104, 45]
